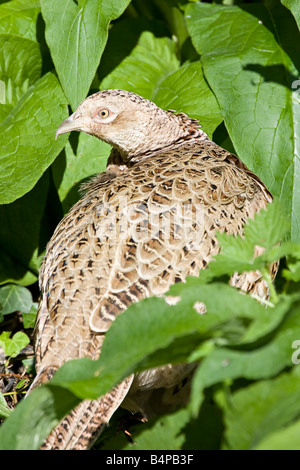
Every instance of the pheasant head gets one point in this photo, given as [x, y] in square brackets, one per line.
[130, 123]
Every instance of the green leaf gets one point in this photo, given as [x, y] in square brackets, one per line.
[76, 35]
[155, 57]
[28, 143]
[18, 17]
[266, 230]
[248, 56]
[20, 67]
[4, 410]
[117, 50]
[258, 410]
[14, 298]
[265, 361]
[268, 227]
[162, 334]
[284, 439]
[293, 271]
[186, 90]
[294, 6]
[30, 317]
[165, 434]
[13, 346]
[34, 418]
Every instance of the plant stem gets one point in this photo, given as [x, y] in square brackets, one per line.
[267, 277]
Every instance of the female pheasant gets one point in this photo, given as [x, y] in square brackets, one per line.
[145, 223]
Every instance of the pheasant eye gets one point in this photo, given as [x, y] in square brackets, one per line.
[103, 113]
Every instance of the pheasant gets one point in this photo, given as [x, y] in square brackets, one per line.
[131, 237]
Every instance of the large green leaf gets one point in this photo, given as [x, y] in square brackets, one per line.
[76, 33]
[4, 410]
[118, 50]
[35, 418]
[259, 409]
[18, 17]
[20, 67]
[165, 434]
[250, 57]
[294, 6]
[223, 364]
[149, 333]
[28, 143]
[150, 61]
[163, 333]
[13, 298]
[187, 90]
[286, 438]
[267, 229]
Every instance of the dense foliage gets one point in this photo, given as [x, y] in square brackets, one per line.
[234, 65]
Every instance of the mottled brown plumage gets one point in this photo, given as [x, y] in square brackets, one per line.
[147, 222]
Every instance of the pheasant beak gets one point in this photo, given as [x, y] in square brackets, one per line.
[75, 122]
